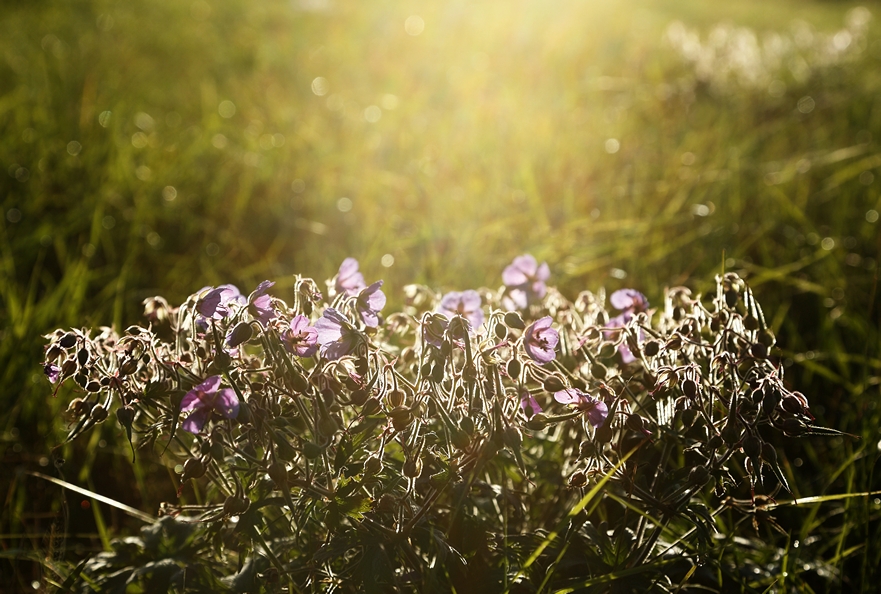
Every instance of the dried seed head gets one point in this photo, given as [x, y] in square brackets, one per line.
[98, 414]
[577, 480]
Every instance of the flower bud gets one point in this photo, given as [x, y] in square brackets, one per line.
[193, 468]
[125, 415]
[553, 384]
[513, 438]
[513, 368]
[372, 465]
[759, 351]
[358, 397]
[278, 472]
[82, 356]
[689, 388]
[98, 414]
[395, 398]
[538, 422]
[599, 371]
[501, 331]
[577, 480]
[603, 434]
[750, 323]
[752, 446]
[413, 467]
[370, 407]
[240, 333]
[698, 476]
[311, 450]
[635, 423]
[651, 348]
[513, 320]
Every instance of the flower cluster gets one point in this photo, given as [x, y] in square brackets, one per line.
[325, 423]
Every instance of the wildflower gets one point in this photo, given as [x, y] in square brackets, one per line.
[260, 304]
[525, 280]
[216, 303]
[349, 280]
[540, 340]
[629, 300]
[336, 335]
[301, 339]
[529, 404]
[594, 410]
[368, 304]
[205, 399]
[52, 371]
[465, 304]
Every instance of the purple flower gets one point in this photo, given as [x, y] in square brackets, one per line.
[525, 280]
[369, 302]
[301, 339]
[260, 304]
[621, 321]
[465, 304]
[215, 304]
[593, 409]
[336, 335]
[205, 399]
[348, 280]
[540, 340]
[52, 371]
[629, 300]
[529, 404]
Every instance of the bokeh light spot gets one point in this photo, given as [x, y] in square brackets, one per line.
[388, 260]
[414, 25]
[319, 86]
[612, 146]
[74, 148]
[344, 204]
[226, 109]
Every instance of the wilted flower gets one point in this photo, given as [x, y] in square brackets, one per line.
[260, 304]
[336, 335]
[206, 398]
[540, 340]
[594, 410]
[466, 304]
[301, 339]
[52, 371]
[433, 329]
[369, 302]
[529, 404]
[525, 280]
[349, 280]
[215, 304]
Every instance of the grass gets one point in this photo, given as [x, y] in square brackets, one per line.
[125, 180]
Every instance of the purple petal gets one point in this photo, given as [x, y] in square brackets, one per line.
[449, 303]
[543, 273]
[330, 326]
[374, 298]
[227, 403]
[513, 275]
[515, 299]
[348, 279]
[475, 317]
[196, 420]
[529, 405]
[628, 300]
[299, 323]
[597, 415]
[369, 317]
[207, 305]
[568, 396]
[470, 301]
[339, 348]
[52, 372]
[260, 290]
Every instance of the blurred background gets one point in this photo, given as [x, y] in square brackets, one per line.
[158, 147]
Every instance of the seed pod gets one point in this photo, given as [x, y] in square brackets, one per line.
[608, 350]
[769, 454]
[193, 468]
[599, 371]
[68, 340]
[674, 343]
[437, 373]
[513, 320]
[467, 425]
[766, 337]
[327, 426]
[731, 297]
[413, 467]
[501, 331]
[93, 387]
[401, 417]
[793, 427]
[216, 450]
[731, 432]
[750, 323]
[652, 348]
[98, 414]
[234, 506]
[79, 407]
[792, 405]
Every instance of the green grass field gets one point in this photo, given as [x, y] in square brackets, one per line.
[155, 148]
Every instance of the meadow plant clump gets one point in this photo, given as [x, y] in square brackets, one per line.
[509, 439]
